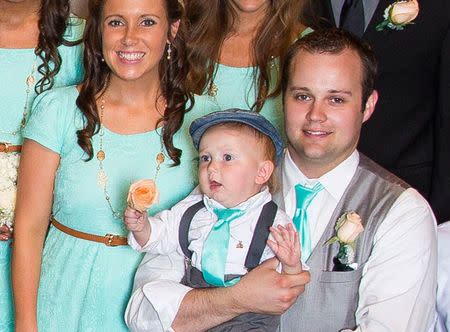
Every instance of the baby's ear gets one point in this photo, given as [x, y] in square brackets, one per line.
[265, 171]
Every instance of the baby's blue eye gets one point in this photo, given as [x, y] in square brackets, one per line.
[227, 157]
[204, 158]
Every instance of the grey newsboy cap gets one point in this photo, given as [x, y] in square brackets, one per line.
[253, 119]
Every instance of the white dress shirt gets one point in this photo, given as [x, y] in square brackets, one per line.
[443, 293]
[165, 225]
[157, 293]
[397, 290]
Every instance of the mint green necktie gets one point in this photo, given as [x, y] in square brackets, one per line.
[215, 248]
[304, 196]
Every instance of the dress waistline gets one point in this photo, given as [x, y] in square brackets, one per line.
[7, 147]
[109, 240]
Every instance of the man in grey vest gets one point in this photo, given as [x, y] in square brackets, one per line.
[385, 280]
[413, 82]
[388, 281]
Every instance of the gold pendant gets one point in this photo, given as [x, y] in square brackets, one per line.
[239, 245]
[160, 158]
[30, 80]
[212, 90]
[101, 155]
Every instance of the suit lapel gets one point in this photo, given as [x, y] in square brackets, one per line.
[329, 12]
[326, 11]
[377, 18]
[369, 11]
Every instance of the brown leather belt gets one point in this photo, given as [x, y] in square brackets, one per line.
[6, 147]
[110, 240]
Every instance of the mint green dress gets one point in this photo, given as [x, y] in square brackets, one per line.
[15, 66]
[236, 88]
[85, 285]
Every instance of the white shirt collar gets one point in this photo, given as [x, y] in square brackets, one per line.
[260, 198]
[334, 182]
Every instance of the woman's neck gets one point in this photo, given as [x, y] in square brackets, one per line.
[135, 92]
[19, 24]
[237, 49]
[247, 24]
[15, 13]
[132, 106]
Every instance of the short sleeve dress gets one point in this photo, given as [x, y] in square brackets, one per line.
[15, 66]
[85, 285]
[234, 87]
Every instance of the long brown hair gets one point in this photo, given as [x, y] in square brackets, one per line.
[211, 21]
[172, 74]
[53, 20]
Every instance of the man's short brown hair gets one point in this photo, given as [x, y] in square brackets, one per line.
[334, 41]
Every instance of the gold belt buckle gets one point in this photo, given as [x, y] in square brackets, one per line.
[110, 238]
[4, 147]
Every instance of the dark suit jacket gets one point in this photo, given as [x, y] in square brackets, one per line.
[410, 128]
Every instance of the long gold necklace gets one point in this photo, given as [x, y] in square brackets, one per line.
[30, 80]
[102, 177]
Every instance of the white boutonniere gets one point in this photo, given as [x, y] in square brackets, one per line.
[399, 14]
[348, 227]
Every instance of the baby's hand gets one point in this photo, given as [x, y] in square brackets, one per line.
[137, 222]
[287, 248]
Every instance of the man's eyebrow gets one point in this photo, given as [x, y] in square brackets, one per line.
[346, 92]
[299, 88]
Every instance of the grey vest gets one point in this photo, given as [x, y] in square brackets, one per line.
[330, 299]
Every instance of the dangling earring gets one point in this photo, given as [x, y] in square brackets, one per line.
[103, 60]
[169, 50]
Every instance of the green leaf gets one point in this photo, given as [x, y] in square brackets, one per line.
[332, 240]
[382, 25]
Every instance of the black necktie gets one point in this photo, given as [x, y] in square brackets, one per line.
[352, 17]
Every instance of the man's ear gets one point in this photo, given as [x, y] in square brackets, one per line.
[173, 29]
[370, 105]
[265, 171]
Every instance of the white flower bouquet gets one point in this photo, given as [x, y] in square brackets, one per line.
[9, 162]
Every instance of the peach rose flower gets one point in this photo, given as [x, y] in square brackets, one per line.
[404, 12]
[142, 194]
[350, 228]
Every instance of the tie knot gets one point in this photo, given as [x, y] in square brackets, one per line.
[305, 195]
[226, 215]
[308, 190]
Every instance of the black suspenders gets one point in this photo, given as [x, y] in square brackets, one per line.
[258, 243]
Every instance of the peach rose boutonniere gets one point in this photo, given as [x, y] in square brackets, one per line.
[348, 227]
[399, 14]
[142, 194]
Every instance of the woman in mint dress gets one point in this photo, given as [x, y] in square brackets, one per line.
[235, 49]
[84, 146]
[23, 48]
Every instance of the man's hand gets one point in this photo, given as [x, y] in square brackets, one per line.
[264, 290]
